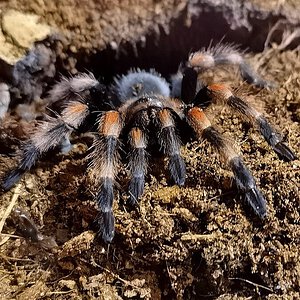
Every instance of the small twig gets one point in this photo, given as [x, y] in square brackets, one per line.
[4, 240]
[60, 278]
[288, 38]
[171, 281]
[252, 283]
[220, 195]
[271, 32]
[11, 235]
[60, 293]
[190, 236]
[93, 263]
[1, 278]
[12, 203]
[17, 259]
[5, 237]
[166, 214]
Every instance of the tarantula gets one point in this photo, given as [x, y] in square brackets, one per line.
[139, 103]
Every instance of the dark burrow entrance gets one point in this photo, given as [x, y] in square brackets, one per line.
[164, 51]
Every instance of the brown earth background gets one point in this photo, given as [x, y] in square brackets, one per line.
[193, 242]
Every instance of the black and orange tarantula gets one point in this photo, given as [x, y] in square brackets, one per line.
[141, 102]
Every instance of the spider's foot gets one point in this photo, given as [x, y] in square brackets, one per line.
[11, 179]
[263, 84]
[177, 169]
[105, 199]
[253, 78]
[284, 152]
[274, 140]
[136, 189]
[108, 232]
[257, 201]
[246, 186]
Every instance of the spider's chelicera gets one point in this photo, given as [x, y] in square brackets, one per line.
[138, 103]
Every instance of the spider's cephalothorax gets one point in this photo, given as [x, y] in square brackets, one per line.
[140, 102]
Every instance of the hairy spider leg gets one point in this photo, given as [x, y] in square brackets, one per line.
[244, 180]
[72, 88]
[104, 167]
[222, 94]
[138, 156]
[225, 54]
[47, 135]
[170, 145]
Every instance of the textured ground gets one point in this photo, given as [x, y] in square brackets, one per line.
[192, 242]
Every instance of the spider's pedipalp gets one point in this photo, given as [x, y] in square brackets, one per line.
[158, 107]
[226, 55]
[137, 163]
[104, 166]
[170, 145]
[220, 93]
[244, 180]
[176, 106]
[48, 135]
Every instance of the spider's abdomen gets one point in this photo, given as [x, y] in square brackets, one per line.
[140, 83]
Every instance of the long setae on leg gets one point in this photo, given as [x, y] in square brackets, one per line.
[104, 167]
[170, 145]
[47, 135]
[226, 54]
[244, 180]
[137, 164]
[222, 94]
